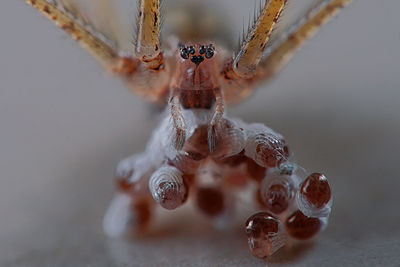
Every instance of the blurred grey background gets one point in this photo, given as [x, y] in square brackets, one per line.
[64, 125]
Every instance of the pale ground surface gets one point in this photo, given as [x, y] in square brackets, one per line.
[65, 125]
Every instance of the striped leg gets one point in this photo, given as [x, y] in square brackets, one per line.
[151, 77]
[104, 53]
[317, 17]
[148, 34]
[238, 87]
[245, 63]
[144, 72]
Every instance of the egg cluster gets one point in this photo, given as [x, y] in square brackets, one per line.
[251, 158]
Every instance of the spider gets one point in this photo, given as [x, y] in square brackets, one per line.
[198, 150]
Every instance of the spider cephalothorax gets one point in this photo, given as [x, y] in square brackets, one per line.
[198, 151]
[196, 76]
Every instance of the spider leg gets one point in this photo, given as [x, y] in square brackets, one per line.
[238, 87]
[245, 63]
[278, 58]
[72, 7]
[148, 34]
[144, 73]
[151, 78]
[104, 53]
[108, 21]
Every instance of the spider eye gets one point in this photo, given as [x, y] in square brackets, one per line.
[184, 53]
[191, 50]
[209, 52]
[202, 50]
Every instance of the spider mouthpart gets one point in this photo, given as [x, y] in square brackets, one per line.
[197, 59]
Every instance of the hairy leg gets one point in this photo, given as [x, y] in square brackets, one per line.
[144, 69]
[99, 49]
[151, 78]
[317, 17]
[245, 63]
[238, 87]
[148, 33]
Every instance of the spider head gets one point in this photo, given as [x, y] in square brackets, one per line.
[196, 53]
[197, 67]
